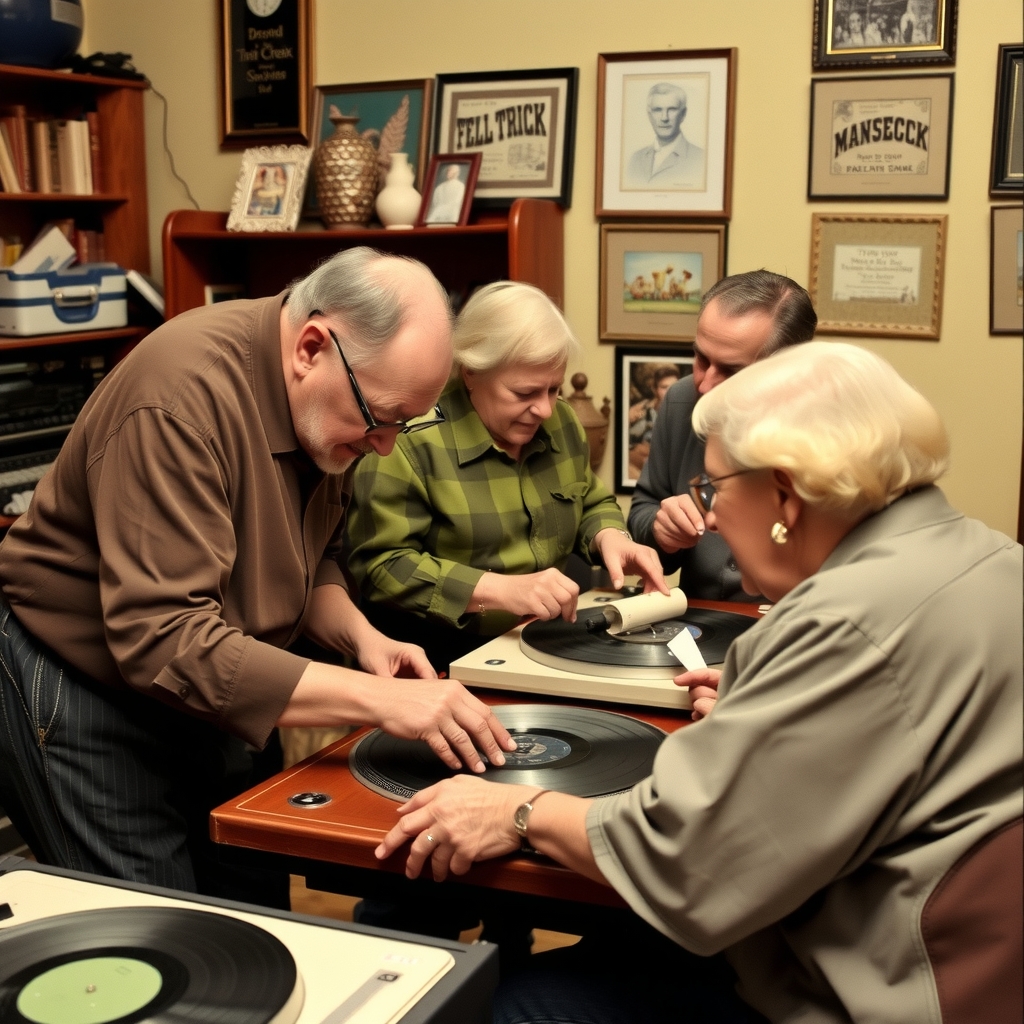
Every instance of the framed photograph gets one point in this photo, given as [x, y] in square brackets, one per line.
[523, 125]
[880, 137]
[873, 33]
[266, 49]
[878, 276]
[449, 192]
[664, 133]
[1006, 302]
[1007, 176]
[269, 188]
[653, 277]
[222, 292]
[642, 376]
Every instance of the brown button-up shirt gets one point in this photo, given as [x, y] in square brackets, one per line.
[175, 544]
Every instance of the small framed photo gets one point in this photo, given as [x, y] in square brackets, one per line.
[874, 275]
[222, 292]
[1007, 175]
[880, 137]
[523, 125]
[449, 193]
[664, 133]
[642, 377]
[653, 277]
[269, 188]
[874, 33]
[1006, 302]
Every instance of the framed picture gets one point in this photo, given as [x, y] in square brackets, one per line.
[880, 137]
[1007, 176]
[653, 277]
[266, 48]
[449, 191]
[269, 188]
[222, 292]
[878, 276]
[1006, 302]
[523, 125]
[664, 133]
[870, 33]
[642, 376]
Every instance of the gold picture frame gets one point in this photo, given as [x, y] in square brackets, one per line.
[1006, 276]
[269, 188]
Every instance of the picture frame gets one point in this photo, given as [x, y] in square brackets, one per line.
[445, 203]
[266, 49]
[880, 137]
[873, 33]
[665, 125]
[1006, 271]
[642, 376]
[500, 114]
[1007, 170]
[877, 275]
[269, 188]
[653, 277]
[213, 293]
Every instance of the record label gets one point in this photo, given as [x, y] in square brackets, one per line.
[94, 990]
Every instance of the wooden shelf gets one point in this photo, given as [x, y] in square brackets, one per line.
[41, 77]
[61, 197]
[73, 338]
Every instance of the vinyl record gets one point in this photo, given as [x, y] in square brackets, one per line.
[134, 965]
[643, 653]
[580, 751]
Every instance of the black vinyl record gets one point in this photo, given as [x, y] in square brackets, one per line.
[580, 751]
[136, 965]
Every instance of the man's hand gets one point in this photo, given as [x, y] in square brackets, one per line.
[381, 656]
[544, 595]
[703, 684]
[621, 555]
[678, 524]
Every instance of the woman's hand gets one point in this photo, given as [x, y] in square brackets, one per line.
[621, 555]
[544, 595]
[703, 684]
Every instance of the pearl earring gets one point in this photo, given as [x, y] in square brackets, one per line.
[779, 533]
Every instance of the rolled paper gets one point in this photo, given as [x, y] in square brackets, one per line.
[629, 613]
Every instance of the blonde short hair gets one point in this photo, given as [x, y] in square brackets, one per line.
[510, 322]
[853, 434]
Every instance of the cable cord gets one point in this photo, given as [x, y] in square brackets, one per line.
[167, 148]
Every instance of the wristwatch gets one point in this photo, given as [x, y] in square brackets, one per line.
[521, 820]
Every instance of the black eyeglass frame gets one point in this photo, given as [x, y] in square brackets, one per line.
[702, 489]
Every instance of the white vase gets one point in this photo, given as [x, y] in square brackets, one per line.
[398, 204]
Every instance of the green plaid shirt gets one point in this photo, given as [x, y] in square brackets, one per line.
[447, 504]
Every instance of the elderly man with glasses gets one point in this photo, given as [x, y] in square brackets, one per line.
[184, 540]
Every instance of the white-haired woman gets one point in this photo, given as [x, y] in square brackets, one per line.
[865, 743]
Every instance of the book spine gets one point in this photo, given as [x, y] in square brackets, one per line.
[21, 129]
[52, 133]
[8, 171]
[41, 156]
[92, 119]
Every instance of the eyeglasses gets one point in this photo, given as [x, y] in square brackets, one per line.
[702, 489]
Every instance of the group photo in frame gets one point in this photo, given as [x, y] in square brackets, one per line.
[1006, 271]
[523, 125]
[1007, 174]
[449, 188]
[877, 275]
[880, 137]
[642, 378]
[665, 124]
[865, 33]
[653, 277]
[269, 188]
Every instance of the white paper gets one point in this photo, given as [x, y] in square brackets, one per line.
[684, 647]
[630, 613]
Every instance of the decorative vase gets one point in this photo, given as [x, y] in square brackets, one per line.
[594, 423]
[345, 167]
[399, 203]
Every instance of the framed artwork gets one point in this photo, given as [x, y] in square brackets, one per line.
[1007, 175]
[878, 276]
[523, 125]
[266, 49]
[642, 376]
[653, 277]
[1006, 301]
[885, 137]
[873, 33]
[269, 188]
[449, 191]
[664, 133]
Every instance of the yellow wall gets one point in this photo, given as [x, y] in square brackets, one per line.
[974, 380]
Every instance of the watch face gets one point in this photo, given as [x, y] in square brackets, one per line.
[263, 8]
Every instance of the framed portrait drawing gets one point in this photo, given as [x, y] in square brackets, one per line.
[1006, 302]
[448, 194]
[664, 133]
[653, 277]
[269, 188]
[642, 376]
[523, 125]
[885, 137]
[1007, 175]
[873, 33]
[874, 275]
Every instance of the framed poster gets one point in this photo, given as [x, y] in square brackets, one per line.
[269, 188]
[523, 125]
[1006, 300]
[266, 48]
[873, 33]
[653, 277]
[448, 194]
[642, 376]
[880, 137]
[878, 276]
[664, 133]
[1007, 174]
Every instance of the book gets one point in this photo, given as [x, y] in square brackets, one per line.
[83, 158]
[92, 119]
[147, 288]
[41, 156]
[51, 135]
[8, 172]
[49, 250]
[16, 120]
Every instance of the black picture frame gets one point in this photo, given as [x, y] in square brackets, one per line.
[1006, 271]
[1007, 171]
[440, 164]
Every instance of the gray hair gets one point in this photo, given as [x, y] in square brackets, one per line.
[666, 89]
